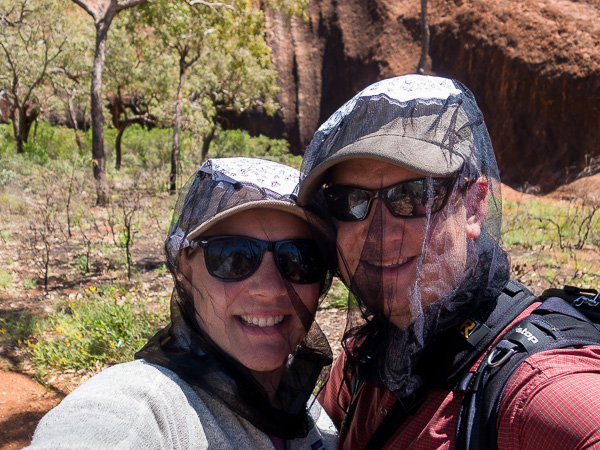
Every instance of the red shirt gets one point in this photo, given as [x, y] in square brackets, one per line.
[551, 401]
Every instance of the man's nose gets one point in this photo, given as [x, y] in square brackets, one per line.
[384, 225]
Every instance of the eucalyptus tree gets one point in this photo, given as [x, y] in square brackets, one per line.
[136, 81]
[238, 75]
[34, 36]
[223, 62]
[71, 77]
[103, 13]
[182, 29]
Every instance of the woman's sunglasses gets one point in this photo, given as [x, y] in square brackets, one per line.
[235, 258]
[415, 198]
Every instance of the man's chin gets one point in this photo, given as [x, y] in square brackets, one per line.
[401, 319]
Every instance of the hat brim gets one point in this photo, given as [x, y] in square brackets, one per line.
[413, 154]
[277, 205]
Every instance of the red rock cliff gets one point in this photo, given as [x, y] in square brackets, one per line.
[534, 66]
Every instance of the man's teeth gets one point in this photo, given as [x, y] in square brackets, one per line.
[396, 262]
[263, 321]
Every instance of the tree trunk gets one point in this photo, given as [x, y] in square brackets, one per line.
[176, 126]
[122, 127]
[22, 121]
[98, 159]
[206, 140]
[424, 39]
[30, 116]
[15, 123]
[73, 117]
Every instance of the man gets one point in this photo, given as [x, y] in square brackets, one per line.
[413, 190]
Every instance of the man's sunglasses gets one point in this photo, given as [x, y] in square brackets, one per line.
[235, 258]
[414, 198]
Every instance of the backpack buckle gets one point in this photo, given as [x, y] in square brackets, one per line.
[583, 300]
[495, 352]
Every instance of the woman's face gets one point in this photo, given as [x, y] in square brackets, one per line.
[254, 320]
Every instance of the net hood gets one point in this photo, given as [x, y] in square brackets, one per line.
[410, 278]
[218, 190]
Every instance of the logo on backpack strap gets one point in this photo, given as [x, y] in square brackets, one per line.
[467, 327]
[528, 334]
[473, 331]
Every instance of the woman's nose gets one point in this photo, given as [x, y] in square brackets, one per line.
[267, 281]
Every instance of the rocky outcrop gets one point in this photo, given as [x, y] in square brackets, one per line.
[534, 66]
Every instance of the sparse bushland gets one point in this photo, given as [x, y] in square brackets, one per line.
[92, 296]
[553, 243]
[83, 287]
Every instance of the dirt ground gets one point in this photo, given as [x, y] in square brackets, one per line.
[23, 401]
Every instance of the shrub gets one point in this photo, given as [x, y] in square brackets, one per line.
[105, 326]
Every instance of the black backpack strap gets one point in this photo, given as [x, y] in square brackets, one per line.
[455, 350]
[554, 324]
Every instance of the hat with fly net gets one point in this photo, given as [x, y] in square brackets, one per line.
[431, 268]
[218, 190]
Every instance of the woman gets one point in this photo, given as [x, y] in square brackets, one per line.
[236, 366]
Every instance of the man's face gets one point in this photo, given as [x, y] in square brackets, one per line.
[402, 264]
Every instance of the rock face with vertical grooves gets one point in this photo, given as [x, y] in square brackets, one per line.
[534, 66]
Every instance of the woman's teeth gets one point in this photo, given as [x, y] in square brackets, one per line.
[263, 321]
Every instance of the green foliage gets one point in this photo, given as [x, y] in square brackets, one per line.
[535, 223]
[161, 270]
[337, 297]
[47, 143]
[7, 177]
[37, 40]
[108, 325]
[240, 143]
[6, 280]
[145, 149]
[17, 325]
[29, 283]
[82, 262]
[553, 243]
[7, 140]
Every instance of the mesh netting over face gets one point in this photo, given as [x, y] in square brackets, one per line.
[247, 338]
[422, 254]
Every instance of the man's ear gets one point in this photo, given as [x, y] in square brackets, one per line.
[476, 206]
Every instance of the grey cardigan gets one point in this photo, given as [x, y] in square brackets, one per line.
[139, 405]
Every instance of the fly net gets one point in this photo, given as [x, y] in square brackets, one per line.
[413, 193]
[213, 335]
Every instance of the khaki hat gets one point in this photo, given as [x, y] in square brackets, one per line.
[223, 187]
[423, 145]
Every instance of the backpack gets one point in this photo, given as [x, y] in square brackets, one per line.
[565, 318]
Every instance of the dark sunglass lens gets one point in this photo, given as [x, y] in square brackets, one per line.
[418, 197]
[440, 188]
[232, 258]
[407, 199]
[301, 262]
[348, 204]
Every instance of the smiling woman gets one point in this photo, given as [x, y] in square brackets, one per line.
[237, 365]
